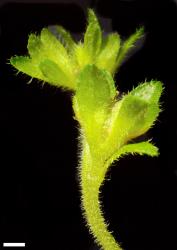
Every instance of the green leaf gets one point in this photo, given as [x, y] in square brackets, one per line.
[47, 46]
[130, 117]
[25, 65]
[108, 55]
[129, 44]
[95, 88]
[43, 49]
[140, 148]
[134, 114]
[95, 93]
[54, 74]
[93, 36]
[52, 45]
[148, 91]
[66, 39]
[54, 51]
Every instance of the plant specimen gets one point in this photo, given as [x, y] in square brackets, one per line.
[108, 122]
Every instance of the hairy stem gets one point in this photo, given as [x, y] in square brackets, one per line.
[92, 177]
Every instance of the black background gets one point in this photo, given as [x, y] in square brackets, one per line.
[39, 194]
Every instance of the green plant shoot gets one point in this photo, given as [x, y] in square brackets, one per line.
[107, 124]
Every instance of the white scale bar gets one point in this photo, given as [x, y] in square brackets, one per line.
[13, 244]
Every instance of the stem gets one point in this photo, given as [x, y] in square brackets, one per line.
[92, 176]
